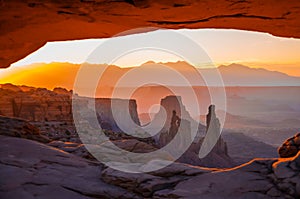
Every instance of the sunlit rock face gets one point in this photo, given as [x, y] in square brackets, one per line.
[28, 25]
[35, 104]
[40, 104]
[290, 147]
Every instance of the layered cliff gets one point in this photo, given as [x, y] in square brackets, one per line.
[36, 104]
[42, 105]
[109, 120]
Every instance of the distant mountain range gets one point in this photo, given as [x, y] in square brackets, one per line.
[63, 75]
[236, 74]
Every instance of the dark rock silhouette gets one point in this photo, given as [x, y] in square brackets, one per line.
[176, 111]
[218, 157]
[213, 123]
[290, 147]
[211, 119]
[175, 123]
[180, 127]
[178, 120]
[167, 136]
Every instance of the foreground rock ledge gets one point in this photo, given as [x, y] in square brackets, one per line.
[29, 169]
[27, 25]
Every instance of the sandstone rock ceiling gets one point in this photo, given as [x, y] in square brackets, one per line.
[25, 26]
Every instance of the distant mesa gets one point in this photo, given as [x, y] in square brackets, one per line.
[40, 104]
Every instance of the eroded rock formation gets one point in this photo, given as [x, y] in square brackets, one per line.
[16, 127]
[218, 156]
[42, 105]
[174, 109]
[28, 25]
[176, 125]
[36, 104]
[290, 147]
[181, 124]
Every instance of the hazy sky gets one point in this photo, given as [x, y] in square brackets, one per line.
[222, 46]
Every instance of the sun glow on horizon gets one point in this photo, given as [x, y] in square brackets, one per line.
[223, 46]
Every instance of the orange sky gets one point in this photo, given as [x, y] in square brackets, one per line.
[64, 74]
[257, 50]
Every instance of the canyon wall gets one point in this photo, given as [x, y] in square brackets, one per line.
[40, 104]
[108, 119]
[35, 104]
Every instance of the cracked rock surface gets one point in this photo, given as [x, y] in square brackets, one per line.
[29, 169]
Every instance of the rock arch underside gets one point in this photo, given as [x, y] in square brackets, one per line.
[25, 26]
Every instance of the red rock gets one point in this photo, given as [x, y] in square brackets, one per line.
[290, 147]
[25, 27]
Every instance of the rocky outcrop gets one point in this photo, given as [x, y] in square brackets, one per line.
[20, 128]
[290, 147]
[172, 105]
[218, 157]
[37, 104]
[51, 113]
[28, 25]
[121, 140]
[172, 108]
[42, 105]
[74, 148]
[30, 169]
[211, 120]
[177, 125]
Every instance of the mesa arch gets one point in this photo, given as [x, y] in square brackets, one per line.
[25, 26]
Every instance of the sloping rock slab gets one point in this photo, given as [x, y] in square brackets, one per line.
[32, 170]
